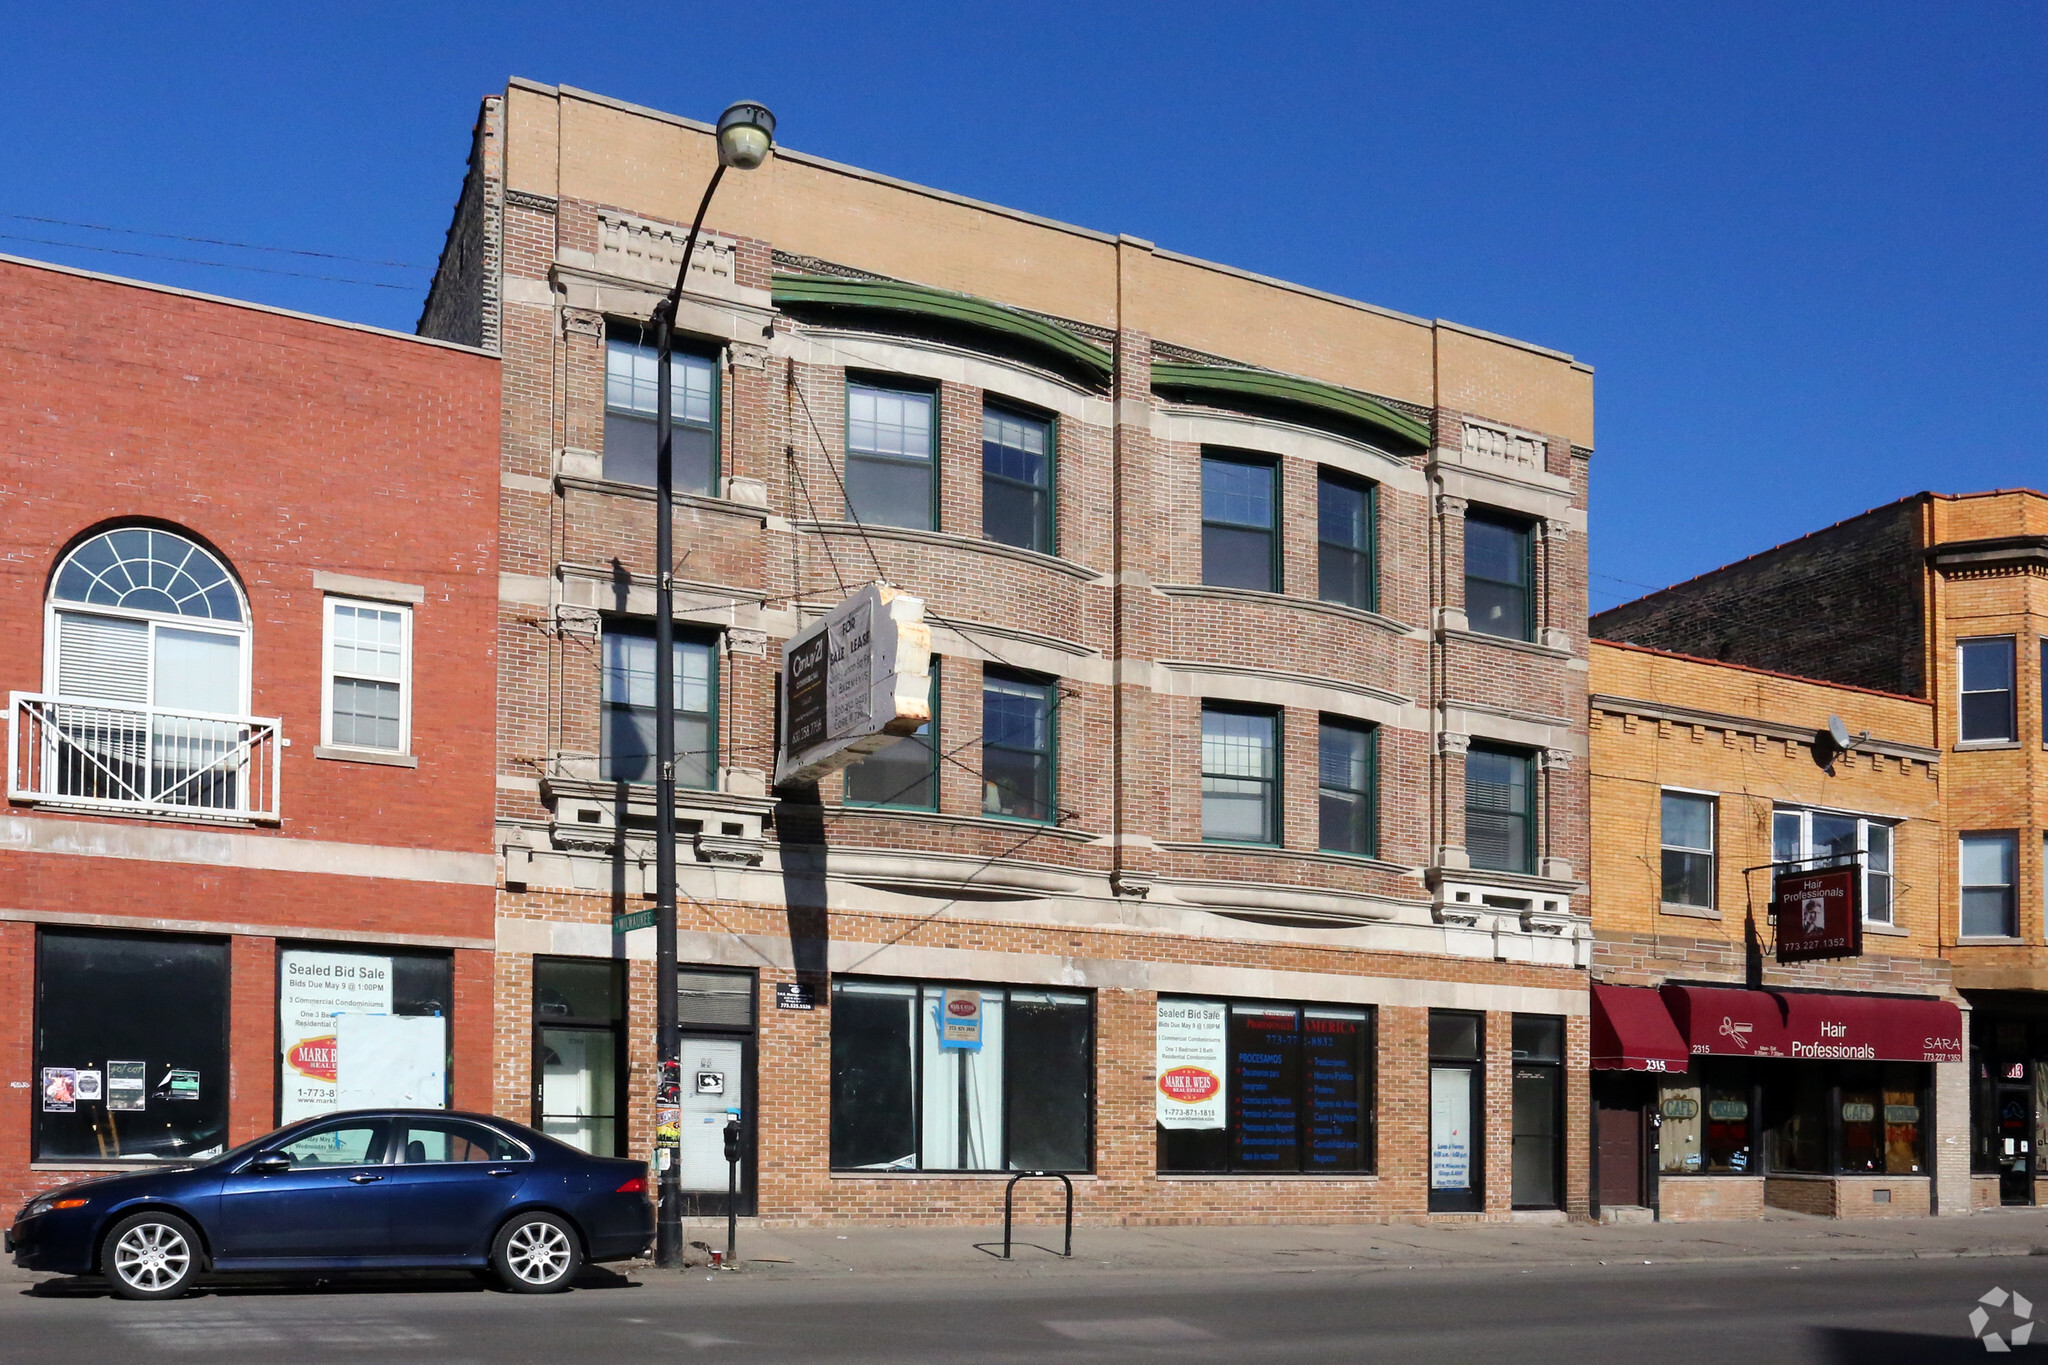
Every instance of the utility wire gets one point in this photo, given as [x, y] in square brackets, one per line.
[194, 260]
[216, 241]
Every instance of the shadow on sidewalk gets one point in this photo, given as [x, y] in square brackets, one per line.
[1846, 1346]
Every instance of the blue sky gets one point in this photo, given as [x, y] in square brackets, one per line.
[1802, 245]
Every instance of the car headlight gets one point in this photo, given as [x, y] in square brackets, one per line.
[38, 1207]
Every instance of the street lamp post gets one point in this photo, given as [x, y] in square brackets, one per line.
[746, 135]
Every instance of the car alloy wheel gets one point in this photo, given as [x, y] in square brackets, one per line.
[151, 1256]
[537, 1254]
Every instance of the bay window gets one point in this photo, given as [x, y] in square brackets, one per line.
[891, 439]
[1240, 774]
[1240, 540]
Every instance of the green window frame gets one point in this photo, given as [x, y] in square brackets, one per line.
[1347, 540]
[1240, 764]
[1500, 576]
[882, 779]
[1019, 746]
[1500, 808]
[630, 395]
[1018, 484]
[1240, 507]
[888, 450]
[627, 705]
[1347, 794]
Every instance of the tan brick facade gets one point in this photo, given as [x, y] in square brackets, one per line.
[1120, 896]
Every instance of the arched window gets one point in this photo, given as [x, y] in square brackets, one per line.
[149, 618]
[147, 675]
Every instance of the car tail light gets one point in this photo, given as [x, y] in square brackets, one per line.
[637, 1185]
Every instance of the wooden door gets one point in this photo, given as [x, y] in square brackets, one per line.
[1621, 1155]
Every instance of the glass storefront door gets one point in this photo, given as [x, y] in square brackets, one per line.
[1457, 1109]
[579, 1017]
[1538, 1112]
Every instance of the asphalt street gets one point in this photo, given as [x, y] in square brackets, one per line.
[1835, 1313]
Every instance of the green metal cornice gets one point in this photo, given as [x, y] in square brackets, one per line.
[963, 310]
[1225, 384]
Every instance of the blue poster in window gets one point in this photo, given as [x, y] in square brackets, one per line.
[1333, 1051]
[1265, 1088]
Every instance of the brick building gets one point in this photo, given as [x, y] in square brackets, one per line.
[247, 578]
[1251, 818]
[1703, 775]
[1944, 598]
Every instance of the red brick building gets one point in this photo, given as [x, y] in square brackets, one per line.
[1250, 824]
[247, 573]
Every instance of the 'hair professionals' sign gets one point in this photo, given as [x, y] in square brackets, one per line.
[1820, 913]
[853, 682]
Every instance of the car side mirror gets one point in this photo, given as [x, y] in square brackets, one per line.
[270, 1163]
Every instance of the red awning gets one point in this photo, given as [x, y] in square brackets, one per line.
[1726, 1022]
[1632, 1031]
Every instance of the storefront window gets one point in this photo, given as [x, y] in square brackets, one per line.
[360, 1030]
[1704, 1120]
[1257, 1088]
[960, 1078]
[1796, 1119]
[131, 1046]
[578, 1022]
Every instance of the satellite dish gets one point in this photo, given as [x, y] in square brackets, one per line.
[1839, 733]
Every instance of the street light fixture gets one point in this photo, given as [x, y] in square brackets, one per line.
[746, 136]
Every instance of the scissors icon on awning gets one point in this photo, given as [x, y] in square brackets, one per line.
[1738, 1033]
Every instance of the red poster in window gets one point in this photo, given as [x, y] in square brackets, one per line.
[1820, 914]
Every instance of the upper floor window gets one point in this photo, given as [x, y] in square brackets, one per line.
[1500, 809]
[149, 618]
[631, 393]
[890, 438]
[369, 675]
[1990, 903]
[1240, 547]
[1240, 774]
[1344, 522]
[1016, 480]
[1687, 823]
[1987, 691]
[1820, 838]
[1499, 576]
[1018, 746]
[905, 773]
[1345, 793]
[628, 741]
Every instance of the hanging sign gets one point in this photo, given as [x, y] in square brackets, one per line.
[1820, 913]
[960, 1021]
[853, 682]
[1189, 1050]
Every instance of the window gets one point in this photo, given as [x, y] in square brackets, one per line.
[1987, 696]
[905, 773]
[150, 630]
[1016, 480]
[1344, 522]
[1240, 774]
[441, 1142]
[1239, 547]
[1708, 1119]
[1538, 1112]
[1818, 838]
[1264, 1088]
[1018, 749]
[353, 1143]
[1688, 838]
[1499, 572]
[1500, 809]
[628, 739]
[1346, 799]
[1989, 908]
[631, 394]
[369, 675]
[1849, 1118]
[889, 444]
[131, 1046]
[961, 1078]
[357, 1029]
[579, 1016]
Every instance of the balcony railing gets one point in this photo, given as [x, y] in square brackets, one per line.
[113, 756]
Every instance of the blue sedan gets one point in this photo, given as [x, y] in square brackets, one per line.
[369, 1190]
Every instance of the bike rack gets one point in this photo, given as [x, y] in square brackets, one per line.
[1010, 1205]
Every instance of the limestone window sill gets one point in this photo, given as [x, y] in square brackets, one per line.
[367, 756]
[1888, 930]
[1987, 941]
[1978, 746]
[1688, 911]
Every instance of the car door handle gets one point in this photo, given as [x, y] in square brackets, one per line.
[364, 1179]
[503, 1170]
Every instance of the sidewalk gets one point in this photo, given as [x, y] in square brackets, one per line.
[929, 1251]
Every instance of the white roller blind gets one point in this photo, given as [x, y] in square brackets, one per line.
[102, 658]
